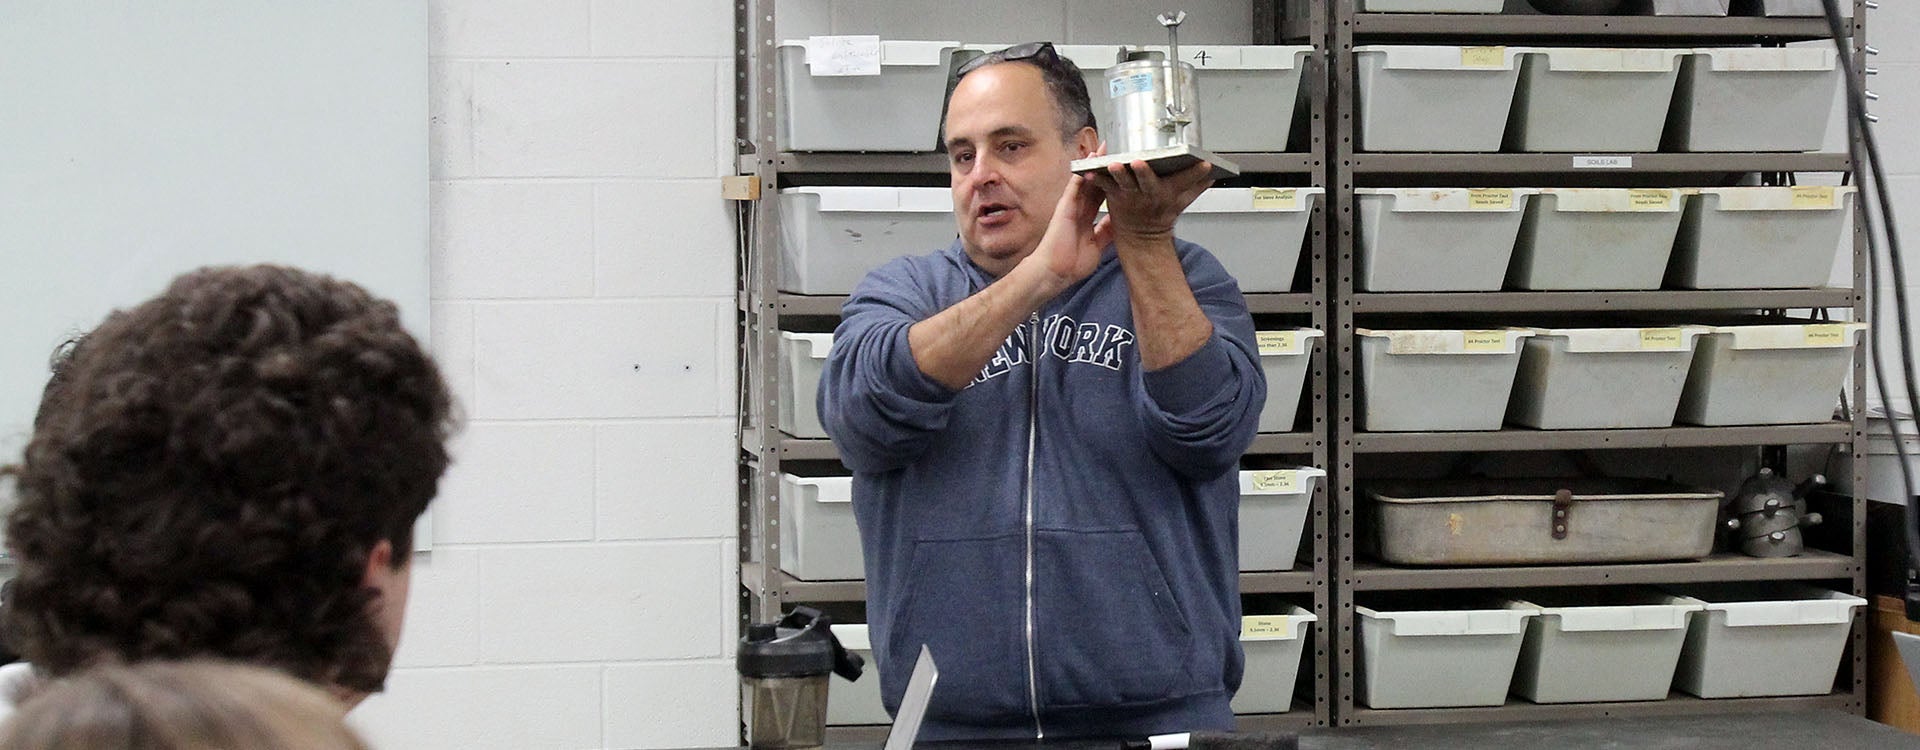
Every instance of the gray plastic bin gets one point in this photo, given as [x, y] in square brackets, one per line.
[1435, 98]
[1591, 646]
[896, 110]
[1439, 657]
[1273, 515]
[1754, 99]
[1602, 378]
[1769, 374]
[1582, 99]
[1285, 357]
[1763, 639]
[1247, 93]
[1273, 645]
[1596, 239]
[1256, 233]
[1437, 239]
[832, 236]
[818, 538]
[1760, 237]
[1404, 373]
[802, 358]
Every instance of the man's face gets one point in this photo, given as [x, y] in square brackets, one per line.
[1008, 162]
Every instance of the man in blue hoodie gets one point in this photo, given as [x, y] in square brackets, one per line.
[1043, 421]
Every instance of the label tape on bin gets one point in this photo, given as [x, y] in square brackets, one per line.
[1263, 627]
[1284, 199]
[1662, 339]
[1280, 481]
[1277, 342]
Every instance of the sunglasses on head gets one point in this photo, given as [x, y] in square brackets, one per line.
[1042, 51]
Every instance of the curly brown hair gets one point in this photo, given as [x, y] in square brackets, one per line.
[210, 472]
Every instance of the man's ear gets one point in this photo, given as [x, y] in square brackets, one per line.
[379, 565]
[1085, 143]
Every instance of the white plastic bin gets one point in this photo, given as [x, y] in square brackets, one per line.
[1769, 374]
[802, 357]
[1581, 99]
[1430, 6]
[1436, 380]
[832, 236]
[818, 538]
[1762, 640]
[1587, 646]
[1754, 99]
[895, 109]
[1273, 515]
[1437, 239]
[1256, 233]
[1247, 93]
[1092, 60]
[1439, 658]
[1285, 357]
[1760, 237]
[1596, 239]
[1435, 98]
[1602, 378]
[1273, 645]
[857, 702]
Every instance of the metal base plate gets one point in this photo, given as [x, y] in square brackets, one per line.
[1163, 160]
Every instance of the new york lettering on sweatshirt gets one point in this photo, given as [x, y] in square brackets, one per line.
[1063, 338]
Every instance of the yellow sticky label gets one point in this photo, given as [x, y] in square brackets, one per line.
[1281, 481]
[1485, 341]
[1650, 200]
[1284, 199]
[1483, 57]
[1824, 335]
[1266, 626]
[1277, 342]
[1661, 338]
[1455, 522]
[1815, 197]
[1490, 199]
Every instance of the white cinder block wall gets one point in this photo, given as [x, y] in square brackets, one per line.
[581, 588]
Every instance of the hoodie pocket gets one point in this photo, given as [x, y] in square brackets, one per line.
[1110, 631]
[966, 602]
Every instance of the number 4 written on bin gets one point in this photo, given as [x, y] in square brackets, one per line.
[1201, 57]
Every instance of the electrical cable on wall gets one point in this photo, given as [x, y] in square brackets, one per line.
[1864, 149]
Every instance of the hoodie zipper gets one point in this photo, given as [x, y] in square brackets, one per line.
[1033, 406]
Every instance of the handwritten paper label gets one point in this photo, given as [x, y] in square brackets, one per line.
[1266, 626]
[1815, 197]
[1824, 335]
[1277, 342]
[1486, 341]
[1650, 200]
[1661, 338]
[843, 55]
[1490, 199]
[1280, 481]
[1284, 199]
[1483, 57]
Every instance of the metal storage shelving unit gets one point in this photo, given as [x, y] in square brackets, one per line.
[765, 310]
[1355, 573]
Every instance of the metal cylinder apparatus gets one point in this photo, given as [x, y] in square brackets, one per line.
[1153, 104]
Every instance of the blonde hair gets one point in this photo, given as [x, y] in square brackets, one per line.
[196, 705]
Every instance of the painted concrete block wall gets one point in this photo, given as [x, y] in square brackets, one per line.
[580, 593]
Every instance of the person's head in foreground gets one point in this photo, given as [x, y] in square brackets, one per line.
[232, 470]
[200, 705]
